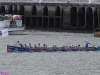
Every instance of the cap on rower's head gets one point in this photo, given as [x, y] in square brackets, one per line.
[86, 40]
[62, 44]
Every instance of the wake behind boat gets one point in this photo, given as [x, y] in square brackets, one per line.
[13, 23]
[50, 49]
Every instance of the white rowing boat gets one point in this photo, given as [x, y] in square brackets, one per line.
[13, 24]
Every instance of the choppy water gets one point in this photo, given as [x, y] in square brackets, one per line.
[50, 63]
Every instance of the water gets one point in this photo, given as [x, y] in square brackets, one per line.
[50, 63]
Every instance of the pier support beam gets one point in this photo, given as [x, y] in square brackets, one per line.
[89, 19]
[99, 18]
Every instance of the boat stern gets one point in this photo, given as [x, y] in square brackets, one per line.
[14, 49]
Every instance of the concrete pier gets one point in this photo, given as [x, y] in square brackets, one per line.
[70, 16]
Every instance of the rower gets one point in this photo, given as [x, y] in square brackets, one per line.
[66, 48]
[86, 43]
[45, 48]
[26, 48]
[53, 48]
[20, 44]
[56, 48]
[35, 48]
[79, 48]
[38, 47]
[30, 46]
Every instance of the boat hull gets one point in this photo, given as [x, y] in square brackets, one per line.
[18, 32]
[13, 24]
[19, 49]
[14, 31]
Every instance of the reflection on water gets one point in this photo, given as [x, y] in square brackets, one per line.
[50, 63]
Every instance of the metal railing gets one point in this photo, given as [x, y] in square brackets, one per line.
[53, 1]
[19, 1]
[79, 1]
[95, 1]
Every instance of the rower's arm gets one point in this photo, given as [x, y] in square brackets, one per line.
[16, 44]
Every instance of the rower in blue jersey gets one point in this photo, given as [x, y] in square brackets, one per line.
[20, 44]
[86, 43]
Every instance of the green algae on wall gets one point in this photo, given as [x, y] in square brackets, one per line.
[39, 13]
[66, 18]
[51, 14]
[27, 14]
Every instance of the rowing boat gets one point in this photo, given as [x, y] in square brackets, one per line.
[13, 24]
[19, 49]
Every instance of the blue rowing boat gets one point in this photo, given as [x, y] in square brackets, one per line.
[19, 49]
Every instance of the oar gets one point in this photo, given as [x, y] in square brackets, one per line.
[94, 45]
[15, 44]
